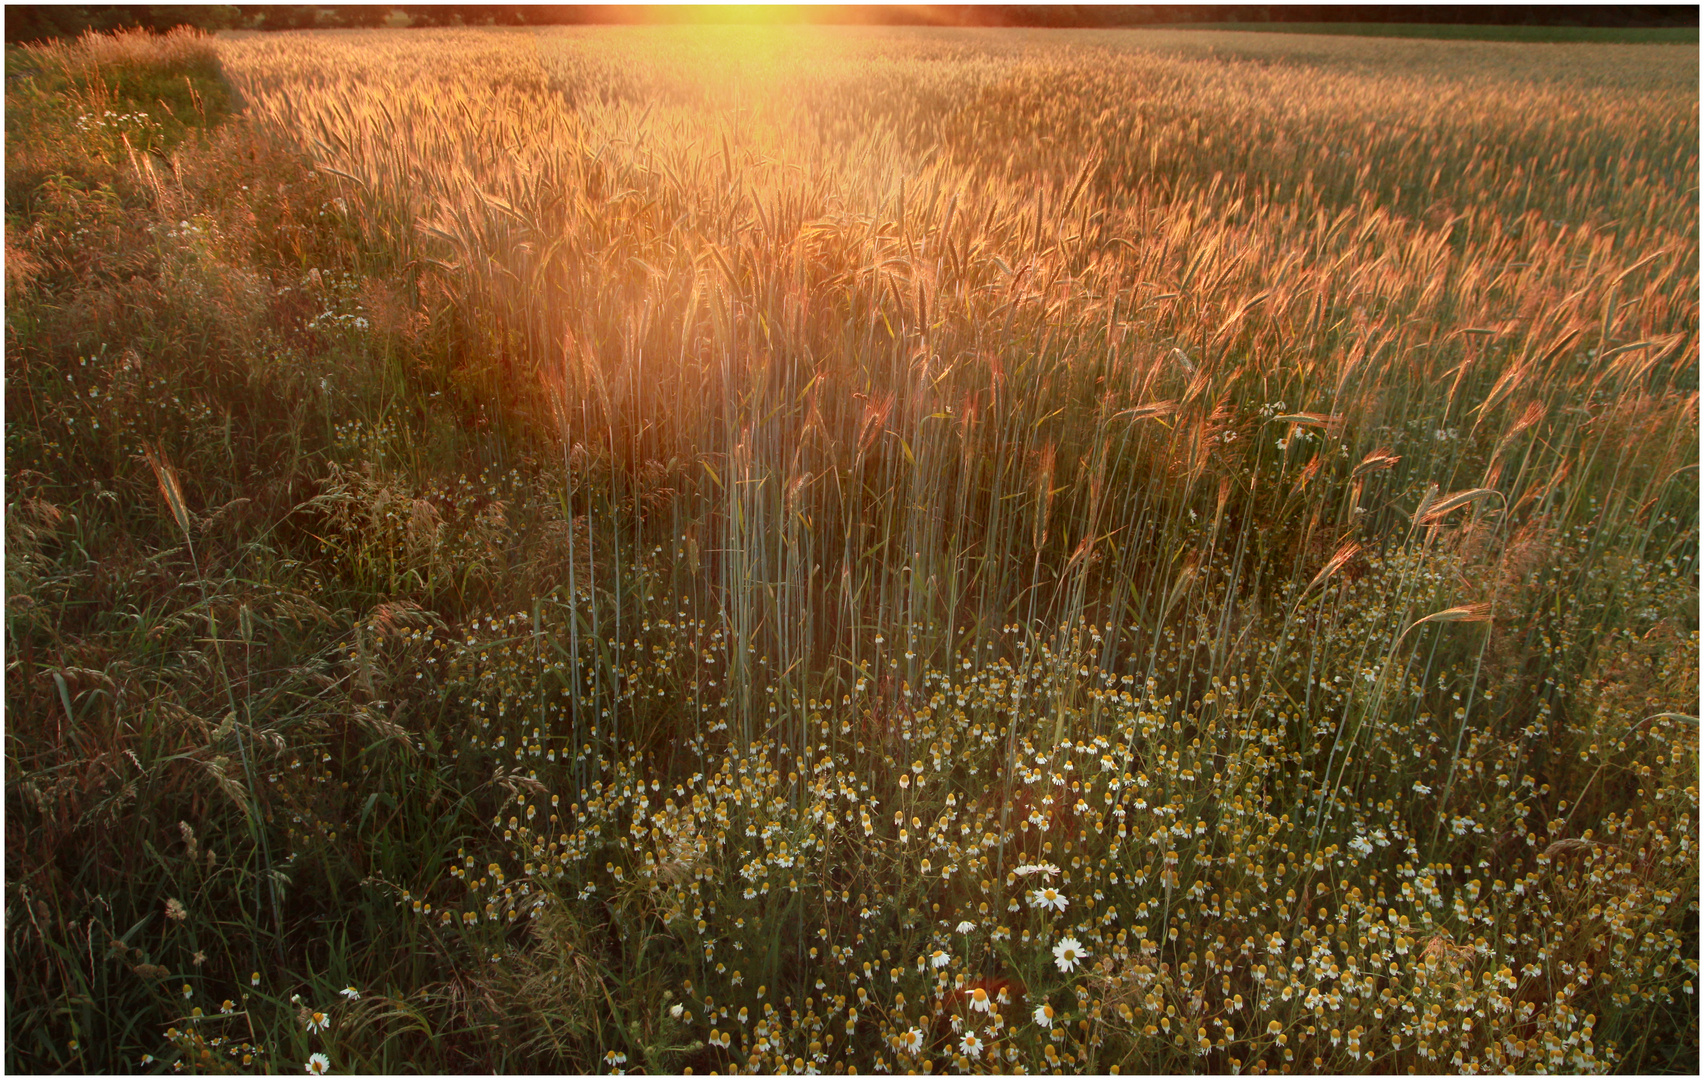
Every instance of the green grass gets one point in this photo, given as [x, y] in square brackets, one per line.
[589, 538]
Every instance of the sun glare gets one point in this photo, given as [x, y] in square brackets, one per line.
[728, 14]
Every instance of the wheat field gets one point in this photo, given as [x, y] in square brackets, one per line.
[847, 550]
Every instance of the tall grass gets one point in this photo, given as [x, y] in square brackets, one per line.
[1248, 489]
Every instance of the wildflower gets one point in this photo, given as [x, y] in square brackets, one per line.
[938, 959]
[966, 927]
[199, 958]
[175, 910]
[227, 1007]
[972, 1045]
[351, 993]
[1048, 898]
[317, 1022]
[254, 979]
[676, 1010]
[187, 992]
[615, 1058]
[318, 1064]
[979, 1001]
[912, 1041]
[1068, 953]
[1044, 1015]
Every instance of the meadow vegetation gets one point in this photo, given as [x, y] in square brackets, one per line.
[826, 550]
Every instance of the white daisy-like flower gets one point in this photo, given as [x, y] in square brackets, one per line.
[351, 993]
[1048, 897]
[912, 1041]
[318, 1064]
[939, 958]
[966, 927]
[1069, 953]
[318, 1022]
[1044, 1015]
[980, 1001]
[971, 1045]
[1047, 869]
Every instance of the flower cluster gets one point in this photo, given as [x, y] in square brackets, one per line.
[1168, 878]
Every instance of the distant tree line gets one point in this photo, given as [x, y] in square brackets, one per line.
[1623, 15]
[36, 22]
[32, 22]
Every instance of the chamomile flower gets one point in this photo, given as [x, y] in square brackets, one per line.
[317, 1022]
[939, 958]
[979, 1001]
[911, 1041]
[318, 1064]
[351, 993]
[1048, 897]
[1069, 953]
[1044, 1015]
[971, 1045]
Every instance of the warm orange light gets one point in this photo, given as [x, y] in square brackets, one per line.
[727, 14]
[783, 14]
